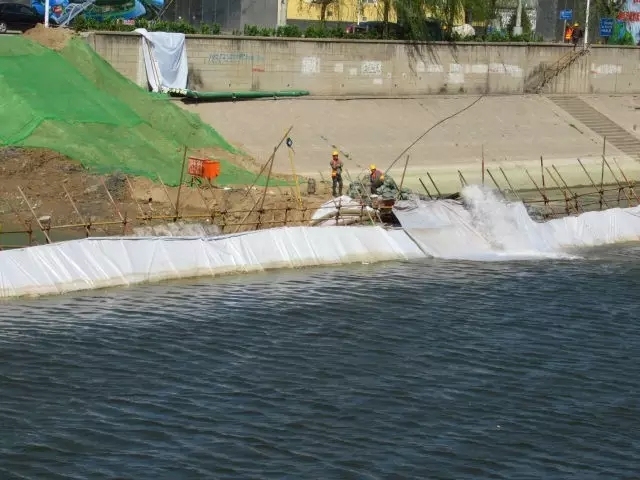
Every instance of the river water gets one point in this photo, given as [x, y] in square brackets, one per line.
[438, 369]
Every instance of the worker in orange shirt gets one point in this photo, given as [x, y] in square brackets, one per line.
[336, 172]
[568, 34]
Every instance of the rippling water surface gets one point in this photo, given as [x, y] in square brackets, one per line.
[426, 370]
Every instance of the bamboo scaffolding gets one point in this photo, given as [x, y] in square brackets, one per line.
[299, 214]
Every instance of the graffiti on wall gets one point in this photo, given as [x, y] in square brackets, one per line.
[628, 24]
[234, 57]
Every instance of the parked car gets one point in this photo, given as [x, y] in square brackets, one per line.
[376, 29]
[15, 16]
[431, 30]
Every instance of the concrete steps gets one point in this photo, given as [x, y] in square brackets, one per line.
[600, 124]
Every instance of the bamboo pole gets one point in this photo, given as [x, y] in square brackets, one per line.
[495, 182]
[184, 161]
[542, 193]
[575, 197]
[509, 183]
[434, 184]
[166, 192]
[111, 199]
[463, 181]
[483, 164]
[617, 181]
[563, 190]
[593, 184]
[86, 227]
[425, 189]
[628, 182]
[269, 162]
[295, 175]
[34, 215]
[261, 201]
[133, 195]
[404, 171]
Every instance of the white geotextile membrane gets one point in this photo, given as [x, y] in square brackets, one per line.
[115, 261]
[488, 228]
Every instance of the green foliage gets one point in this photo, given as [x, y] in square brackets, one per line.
[83, 24]
[525, 23]
[292, 31]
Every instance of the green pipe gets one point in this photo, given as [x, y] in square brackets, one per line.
[192, 94]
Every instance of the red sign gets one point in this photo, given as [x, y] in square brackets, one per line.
[195, 166]
[629, 16]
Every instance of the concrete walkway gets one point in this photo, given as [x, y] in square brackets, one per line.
[512, 131]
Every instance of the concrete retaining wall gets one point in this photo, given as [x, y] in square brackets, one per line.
[377, 68]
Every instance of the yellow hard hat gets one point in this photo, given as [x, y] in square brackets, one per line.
[372, 167]
[335, 153]
[576, 24]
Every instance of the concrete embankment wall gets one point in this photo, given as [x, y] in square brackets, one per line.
[378, 68]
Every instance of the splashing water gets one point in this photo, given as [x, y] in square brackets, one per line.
[486, 227]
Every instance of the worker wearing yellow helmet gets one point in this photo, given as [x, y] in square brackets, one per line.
[336, 173]
[376, 177]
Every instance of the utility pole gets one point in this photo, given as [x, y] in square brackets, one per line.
[586, 25]
[47, 7]
[517, 29]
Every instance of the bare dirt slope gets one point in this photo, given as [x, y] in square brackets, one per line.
[55, 186]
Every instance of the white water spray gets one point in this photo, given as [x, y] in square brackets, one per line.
[490, 228]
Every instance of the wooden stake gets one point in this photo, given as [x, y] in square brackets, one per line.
[496, 184]
[269, 162]
[434, 184]
[509, 183]
[34, 215]
[602, 200]
[483, 164]
[133, 196]
[404, 171]
[86, 228]
[166, 192]
[184, 161]
[542, 193]
[575, 197]
[628, 182]
[617, 181]
[564, 192]
[425, 189]
[295, 176]
[463, 182]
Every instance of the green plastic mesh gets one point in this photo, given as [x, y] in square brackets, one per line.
[75, 103]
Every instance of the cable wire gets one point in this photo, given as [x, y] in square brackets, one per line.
[431, 128]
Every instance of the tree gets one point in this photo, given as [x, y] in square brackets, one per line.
[609, 8]
[324, 4]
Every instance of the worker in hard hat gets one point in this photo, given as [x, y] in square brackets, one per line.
[568, 34]
[376, 177]
[336, 173]
[576, 34]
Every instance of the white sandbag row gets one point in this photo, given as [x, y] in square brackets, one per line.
[116, 261]
[350, 211]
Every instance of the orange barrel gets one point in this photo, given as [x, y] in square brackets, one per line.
[210, 169]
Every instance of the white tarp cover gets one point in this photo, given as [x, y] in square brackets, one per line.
[116, 261]
[165, 59]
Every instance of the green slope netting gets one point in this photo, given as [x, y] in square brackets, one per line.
[75, 103]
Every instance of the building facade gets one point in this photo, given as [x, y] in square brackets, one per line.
[229, 14]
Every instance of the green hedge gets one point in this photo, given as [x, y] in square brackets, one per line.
[82, 24]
